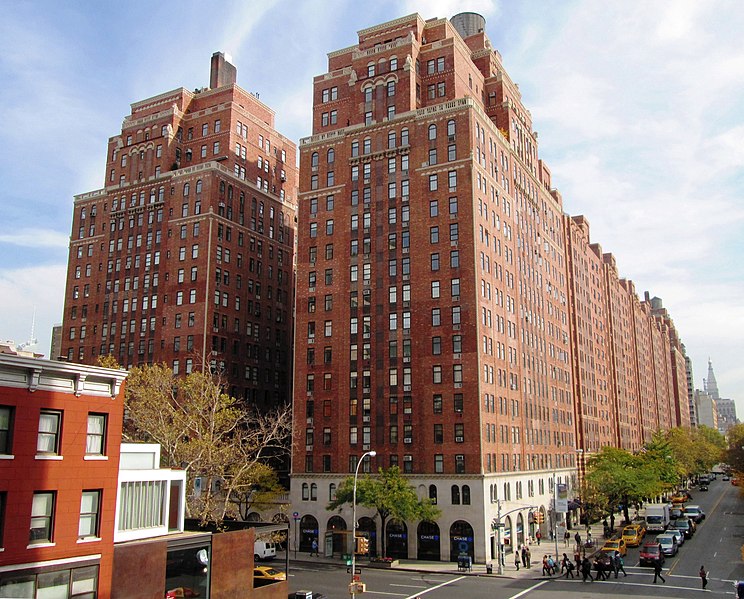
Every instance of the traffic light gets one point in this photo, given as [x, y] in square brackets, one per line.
[362, 545]
[539, 517]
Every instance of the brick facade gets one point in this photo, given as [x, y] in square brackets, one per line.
[450, 316]
[186, 255]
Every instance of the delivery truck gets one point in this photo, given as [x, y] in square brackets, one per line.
[657, 517]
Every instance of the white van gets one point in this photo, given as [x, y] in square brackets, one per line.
[264, 550]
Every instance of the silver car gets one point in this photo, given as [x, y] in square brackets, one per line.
[677, 533]
[668, 544]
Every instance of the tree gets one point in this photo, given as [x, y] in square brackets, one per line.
[734, 456]
[210, 434]
[390, 494]
[621, 478]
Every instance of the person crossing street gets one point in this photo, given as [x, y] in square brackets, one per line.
[657, 571]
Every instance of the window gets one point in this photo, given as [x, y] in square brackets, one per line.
[95, 440]
[438, 434]
[433, 182]
[90, 507]
[455, 495]
[49, 429]
[42, 517]
[6, 432]
[460, 464]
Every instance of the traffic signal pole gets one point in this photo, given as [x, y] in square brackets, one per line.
[498, 525]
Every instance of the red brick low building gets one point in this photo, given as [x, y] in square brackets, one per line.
[60, 434]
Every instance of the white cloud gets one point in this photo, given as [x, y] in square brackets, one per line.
[36, 238]
[25, 291]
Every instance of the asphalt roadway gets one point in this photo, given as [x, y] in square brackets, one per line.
[716, 545]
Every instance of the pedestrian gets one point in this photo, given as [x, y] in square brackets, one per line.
[564, 562]
[566, 538]
[703, 576]
[545, 567]
[538, 536]
[586, 570]
[619, 564]
[568, 565]
[552, 566]
[577, 538]
[529, 558]
[739, 586]
[657, 571]
[516, 559]
[588, 538]
[524, 555]
[577, 559]
[314, 548]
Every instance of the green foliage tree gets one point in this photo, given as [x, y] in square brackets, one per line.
[390, 494]
[734, 455]
[619, 477]
[210, 434]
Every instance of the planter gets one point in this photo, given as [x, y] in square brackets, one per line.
[388, 565]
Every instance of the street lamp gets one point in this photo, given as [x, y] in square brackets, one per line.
[371, 454]
[497, 525]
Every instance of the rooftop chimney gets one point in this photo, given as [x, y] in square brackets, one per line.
[222, 72]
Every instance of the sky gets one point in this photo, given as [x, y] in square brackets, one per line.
[639, 107]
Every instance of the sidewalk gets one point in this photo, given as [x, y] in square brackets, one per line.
[546, 547]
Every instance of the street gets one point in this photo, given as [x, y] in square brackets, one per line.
[716, 545]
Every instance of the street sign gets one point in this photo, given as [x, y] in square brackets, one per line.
[296, 515]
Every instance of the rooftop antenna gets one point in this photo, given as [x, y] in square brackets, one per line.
[32, 340]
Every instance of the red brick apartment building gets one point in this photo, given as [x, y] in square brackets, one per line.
[60, 433]
[185, 256]
[449, 315]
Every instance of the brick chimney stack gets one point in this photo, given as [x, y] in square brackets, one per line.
[222, 72]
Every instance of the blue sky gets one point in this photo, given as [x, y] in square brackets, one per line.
[639, 107]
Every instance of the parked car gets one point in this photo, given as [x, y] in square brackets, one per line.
[668, 544]
[615, 545]
[726, 477]
[694, 512]
[633, 535]
[685, 525]
[676, 512]
[677, 533]
[735, 482]
[703, 487]
[651, 553]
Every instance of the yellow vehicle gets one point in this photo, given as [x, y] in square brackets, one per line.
[633, 535]
[615, 545]
[266, 573]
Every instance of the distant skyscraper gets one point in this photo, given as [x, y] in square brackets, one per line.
[705, 406]
[710, 386]
[186, 255]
